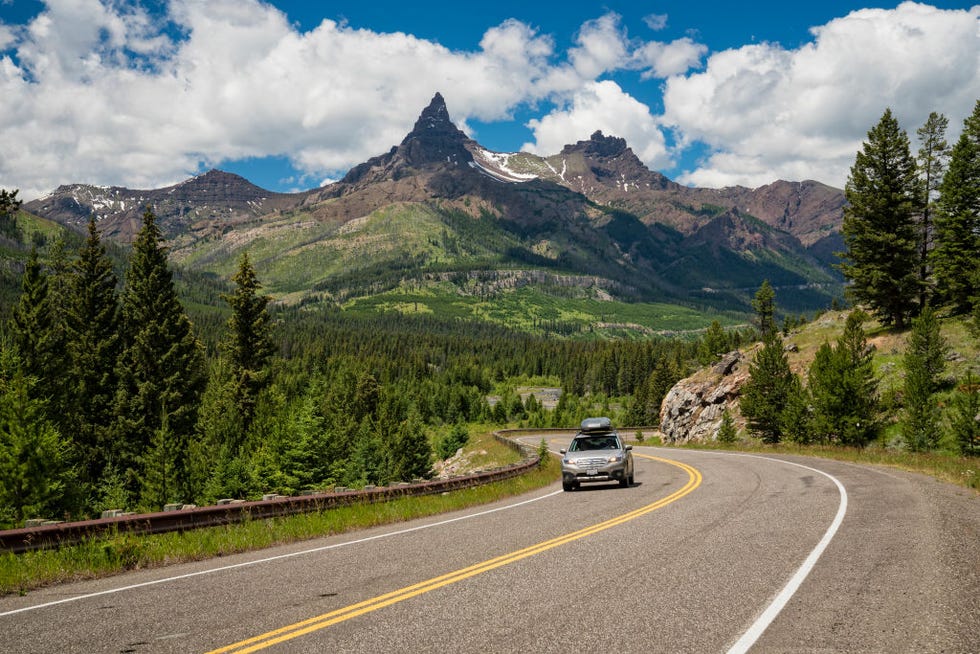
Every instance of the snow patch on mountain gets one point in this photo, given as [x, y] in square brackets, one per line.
[497, 165]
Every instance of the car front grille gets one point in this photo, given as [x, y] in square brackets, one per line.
[592, 462]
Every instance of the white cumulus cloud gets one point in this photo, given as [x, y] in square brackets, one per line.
[107, 92]
[768, 113]
[96, 93]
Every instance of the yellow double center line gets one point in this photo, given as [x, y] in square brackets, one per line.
[310, 625]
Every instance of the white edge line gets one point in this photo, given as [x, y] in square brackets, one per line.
[758, 627]
[314, 550]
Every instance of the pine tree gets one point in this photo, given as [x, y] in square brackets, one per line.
[9, 206]
[160, 483]
[93, 346]
[161, 371]
[962, 419]
[843, 390]
[764, 305]
[248, 344]
[412, 458]
[34, 458]
[932, 160]
[713, 344]
[823, 377]
[767, 389]
[956, 255]
[925, 359]
[456, 438]
[795, 417]
[367, 395]
[219, 429]
[36, 333]
[881, 260]
[726, 431]
[637, 414]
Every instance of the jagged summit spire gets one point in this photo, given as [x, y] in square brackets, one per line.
[435, 139]
[436, 115]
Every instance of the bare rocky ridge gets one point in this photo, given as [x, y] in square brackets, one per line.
[214, 197]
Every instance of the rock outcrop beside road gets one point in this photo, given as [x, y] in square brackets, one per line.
[693, 408]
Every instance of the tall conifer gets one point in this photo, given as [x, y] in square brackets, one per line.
[9, 206]
[956, 256]
[34, 462]
[843, 389]
[162, 372]
[764, 304]
[932, 160]
[248, 344]
[879, 228]
[961, 418]
[36, 333]
[93, 346]
[767, 390]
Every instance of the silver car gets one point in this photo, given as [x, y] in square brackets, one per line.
[596, 454]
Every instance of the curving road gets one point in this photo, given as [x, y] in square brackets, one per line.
[707, 552]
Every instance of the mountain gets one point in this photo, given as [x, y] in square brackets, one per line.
[438, 213]
[215, 197]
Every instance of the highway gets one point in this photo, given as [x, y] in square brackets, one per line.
[706, 552]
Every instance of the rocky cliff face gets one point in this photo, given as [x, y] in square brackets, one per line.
[808, 210]
[693, 408]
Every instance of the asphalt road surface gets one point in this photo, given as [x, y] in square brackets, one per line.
[706, 552]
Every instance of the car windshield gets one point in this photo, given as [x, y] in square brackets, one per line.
[598, 442]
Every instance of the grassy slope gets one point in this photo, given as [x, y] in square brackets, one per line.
[533, 310]
[297, 258]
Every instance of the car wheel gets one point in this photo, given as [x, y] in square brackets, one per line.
[567, 486]
[624, 482]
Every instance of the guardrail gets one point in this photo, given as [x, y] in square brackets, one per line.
[68, 533]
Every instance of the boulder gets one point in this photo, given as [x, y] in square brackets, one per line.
[692, 410]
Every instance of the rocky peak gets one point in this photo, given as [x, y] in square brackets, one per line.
[612, 161]
[217, 186]
[435, 139]
[599, 146]
[435, 116]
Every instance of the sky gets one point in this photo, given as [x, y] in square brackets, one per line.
[291, 94]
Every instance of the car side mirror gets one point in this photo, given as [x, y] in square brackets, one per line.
[629, 447]
[561, 451]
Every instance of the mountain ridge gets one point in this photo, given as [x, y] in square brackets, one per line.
[592, 209]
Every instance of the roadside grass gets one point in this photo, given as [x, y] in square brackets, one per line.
[109, 555]
[958, 470]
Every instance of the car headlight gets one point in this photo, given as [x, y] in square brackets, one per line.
[616, 459]
[567, 462]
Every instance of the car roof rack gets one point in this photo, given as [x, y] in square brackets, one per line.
[596, 424]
